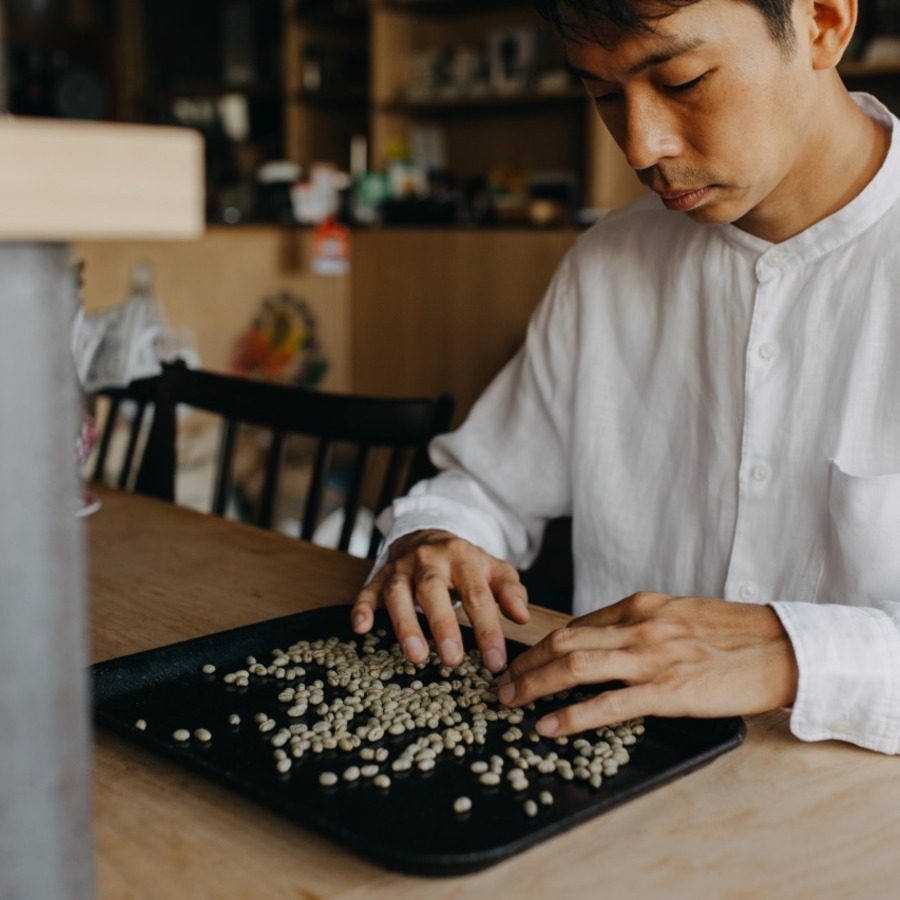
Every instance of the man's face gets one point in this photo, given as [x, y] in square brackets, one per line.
[712, 113]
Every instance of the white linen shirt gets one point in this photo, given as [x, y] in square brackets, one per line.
[721, 417]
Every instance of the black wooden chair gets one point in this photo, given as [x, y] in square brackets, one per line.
[400, 427]
[141, 394]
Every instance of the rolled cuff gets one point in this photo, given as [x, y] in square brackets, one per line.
[416, 513]
[849, 684]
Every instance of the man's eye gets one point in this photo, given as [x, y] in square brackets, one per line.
[685, 86]
[601, 99]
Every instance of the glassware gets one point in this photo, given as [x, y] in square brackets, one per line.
[84, 443]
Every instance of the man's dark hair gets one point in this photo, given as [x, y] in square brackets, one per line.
[587, 19]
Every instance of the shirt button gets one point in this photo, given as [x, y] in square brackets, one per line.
[776, 259]
[747, 591]
[768, 351]
[840, 726]
[761, 473]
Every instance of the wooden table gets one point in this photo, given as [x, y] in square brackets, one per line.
[774, 818]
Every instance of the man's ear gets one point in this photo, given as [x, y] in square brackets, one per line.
[831, 24]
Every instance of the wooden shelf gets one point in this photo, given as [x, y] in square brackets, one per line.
[493, 102]
[209, 91]
[349, 98]
[862, 69]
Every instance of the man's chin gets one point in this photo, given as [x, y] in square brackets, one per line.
[715, 212]
[710, 215]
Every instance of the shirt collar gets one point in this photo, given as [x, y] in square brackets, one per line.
[849, 221]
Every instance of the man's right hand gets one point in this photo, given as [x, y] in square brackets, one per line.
[430, 567]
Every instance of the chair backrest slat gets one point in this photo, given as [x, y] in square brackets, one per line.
[112, 416]
[142, 393]
[223, 466]
[389, 489]
[133, 436]
[316, 489]
[421, 466]
[354, 491]
[266, 511]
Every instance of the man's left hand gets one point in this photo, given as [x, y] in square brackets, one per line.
[677, 656]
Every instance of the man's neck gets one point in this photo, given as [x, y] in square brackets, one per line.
[842, 157]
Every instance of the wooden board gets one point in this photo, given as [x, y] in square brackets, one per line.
[62, 181]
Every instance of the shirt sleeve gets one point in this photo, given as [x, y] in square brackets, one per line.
[849, 664]
[505, 473]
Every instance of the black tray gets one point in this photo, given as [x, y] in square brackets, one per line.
[411, 826]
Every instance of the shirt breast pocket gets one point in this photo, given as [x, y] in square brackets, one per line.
[862, 563]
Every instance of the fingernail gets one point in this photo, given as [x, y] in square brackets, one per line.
[359, 620]
[507, 693]
[548, 726]
[414, 648]
[450, 651]
[493, 659]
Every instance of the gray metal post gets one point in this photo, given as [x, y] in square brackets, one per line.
[3, 75]
[45, 830]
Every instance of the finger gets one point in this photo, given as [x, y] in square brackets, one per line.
[433, 595]
[362, 615]
[561, 642]
[622, 612]
[398, 600]
[576, 668]
[510, 593]
[479, 603]
[607, 708]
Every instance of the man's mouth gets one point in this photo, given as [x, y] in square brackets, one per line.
[684, 200]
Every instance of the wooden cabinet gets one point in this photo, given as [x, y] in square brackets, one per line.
[444, 309]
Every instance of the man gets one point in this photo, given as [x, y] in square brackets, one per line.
[711, 388]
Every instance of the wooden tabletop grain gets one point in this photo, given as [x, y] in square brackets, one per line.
[774, 818]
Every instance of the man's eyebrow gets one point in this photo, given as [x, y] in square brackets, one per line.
[669, 52]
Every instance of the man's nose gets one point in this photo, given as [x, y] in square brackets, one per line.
[649, 133]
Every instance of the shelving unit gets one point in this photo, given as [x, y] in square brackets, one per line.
[482, 131]
[325, 61]
[525, 128]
